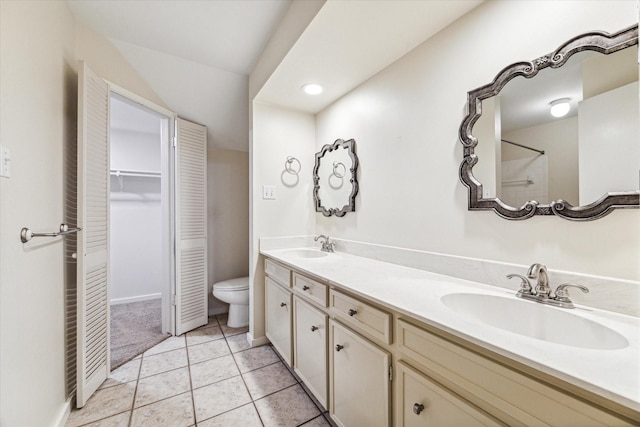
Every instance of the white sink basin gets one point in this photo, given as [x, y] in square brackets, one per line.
[306, 253]
[535, 320]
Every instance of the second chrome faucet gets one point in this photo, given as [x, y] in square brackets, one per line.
[542, 291]
[327, 245]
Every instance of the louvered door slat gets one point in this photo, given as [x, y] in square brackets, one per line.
[191, 226]
[93, 242]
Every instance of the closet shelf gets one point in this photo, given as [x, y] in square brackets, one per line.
[142, 174]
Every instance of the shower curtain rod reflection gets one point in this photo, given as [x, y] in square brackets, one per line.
[523, 146]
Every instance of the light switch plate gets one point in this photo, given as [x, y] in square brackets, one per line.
[268, 192]
[5, 162]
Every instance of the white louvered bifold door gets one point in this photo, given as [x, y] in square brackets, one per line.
[191, 226]
[93, 241]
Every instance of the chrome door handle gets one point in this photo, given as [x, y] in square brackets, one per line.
[417, 408]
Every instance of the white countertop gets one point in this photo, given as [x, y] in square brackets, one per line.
[613, 374]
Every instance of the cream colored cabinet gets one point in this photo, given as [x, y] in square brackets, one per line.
[310, 347]
[359, 379]
[422, 402]
[278, 309]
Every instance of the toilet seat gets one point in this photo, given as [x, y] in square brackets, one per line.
[237, 284]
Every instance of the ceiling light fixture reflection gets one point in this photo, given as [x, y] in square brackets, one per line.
[312, 89]
[560, 107]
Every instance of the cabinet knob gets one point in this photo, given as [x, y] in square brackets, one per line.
[283, 304]
[305, 288]
[352, 312]
[314, 328]
[339, 347]
[417, 408]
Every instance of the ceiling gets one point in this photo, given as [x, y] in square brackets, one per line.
[197, 55]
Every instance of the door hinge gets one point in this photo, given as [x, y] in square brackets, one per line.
[174, 141]
[390, 373]
[173, 299]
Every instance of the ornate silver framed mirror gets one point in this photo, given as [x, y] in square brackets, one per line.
[521, 161]
[335, 181]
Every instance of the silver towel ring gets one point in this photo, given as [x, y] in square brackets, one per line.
[336, 167]
[289, 165]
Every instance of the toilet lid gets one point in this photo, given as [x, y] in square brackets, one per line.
[237, 284]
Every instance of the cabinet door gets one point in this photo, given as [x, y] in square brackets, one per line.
[278, 318]
[359, 379]
[310, 348]
[422, 402]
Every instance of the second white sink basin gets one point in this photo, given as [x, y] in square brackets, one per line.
[535, 320]
[306, 253]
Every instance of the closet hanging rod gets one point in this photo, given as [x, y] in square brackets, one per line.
[523, 146]
[26, 234]
[143, 174]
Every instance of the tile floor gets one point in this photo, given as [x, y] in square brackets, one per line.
[208, 377]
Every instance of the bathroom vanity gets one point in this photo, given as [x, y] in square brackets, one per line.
[377, 345]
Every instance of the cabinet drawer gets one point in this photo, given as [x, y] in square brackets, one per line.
[423, 402]
[308, 288]
[361, 315]
[310, 347]
[512, 397]
[278, 272]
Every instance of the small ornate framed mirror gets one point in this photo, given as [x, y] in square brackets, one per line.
[335, 181]
[521, 158]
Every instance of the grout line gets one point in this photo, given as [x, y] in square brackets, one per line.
[193, 400]
[135, 393]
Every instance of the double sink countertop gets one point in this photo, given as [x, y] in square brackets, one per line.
[611, 373]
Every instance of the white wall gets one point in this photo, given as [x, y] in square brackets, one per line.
[37, 120]
[405, 121]
[135, 253]
[277, 134]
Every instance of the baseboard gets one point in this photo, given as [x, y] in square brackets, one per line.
[64, 416]
[135, 299]
[255, 342]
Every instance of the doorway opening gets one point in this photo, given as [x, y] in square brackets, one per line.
[139, 224]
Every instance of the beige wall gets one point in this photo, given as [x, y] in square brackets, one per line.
[410, 194]
[228, 216]
[37, 119]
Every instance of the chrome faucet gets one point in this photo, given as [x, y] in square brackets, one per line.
[327, 245]
[539, 272]
[542, 292]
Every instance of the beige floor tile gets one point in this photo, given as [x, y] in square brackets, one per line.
[267, 380]
[212, 371]
[104, 403]
[163, 362]
[255, 358]
[124, 374]
[120, 420]
[228, 331]
[238, 343]
[176, 411]
[220, 397]
[171, 343]
[245, 416]
[160, 386]
[319, 421]
[208, 350]
[289, 407]
[204, 334]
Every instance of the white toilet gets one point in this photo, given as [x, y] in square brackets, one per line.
[234, 292]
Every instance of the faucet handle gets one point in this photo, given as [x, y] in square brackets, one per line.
[562, 294]
[525, 285]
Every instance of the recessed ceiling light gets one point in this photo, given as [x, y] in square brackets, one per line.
[312, 89]
[560, 107]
